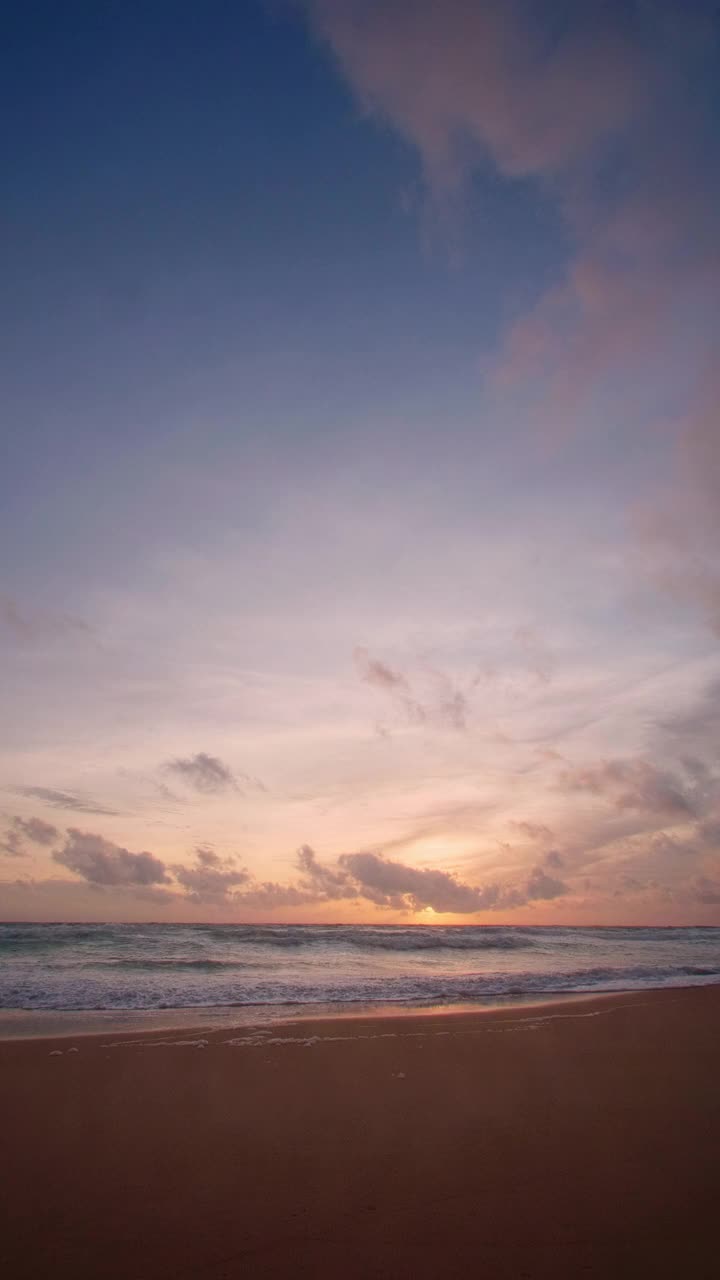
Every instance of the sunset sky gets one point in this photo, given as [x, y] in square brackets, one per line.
[360, 471]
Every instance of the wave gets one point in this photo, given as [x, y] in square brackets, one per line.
[147, 966]
[51, 991]
[450, 940]
[41, 937]
[151, 939]
[386, 938]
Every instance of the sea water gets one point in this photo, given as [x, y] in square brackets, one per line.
[290, 968]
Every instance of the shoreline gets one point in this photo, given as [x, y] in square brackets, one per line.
[33, 1025]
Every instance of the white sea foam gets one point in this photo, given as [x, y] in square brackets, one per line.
[262, 1038]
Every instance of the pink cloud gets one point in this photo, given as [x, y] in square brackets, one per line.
[460, 75]
[628, 326]
[464, 82]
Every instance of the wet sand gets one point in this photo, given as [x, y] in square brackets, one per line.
[563, 1141]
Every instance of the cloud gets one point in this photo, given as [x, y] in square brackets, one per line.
[633, 784]
[533, 830]
[368, 877]
[37, 830]
[443, 704]
[363, 876]
[374, 672]
[449, 705]
[64, 800]
[659, 824]
[318, 883]
[321, 879]
[204, 773]
[101, 862]
[709, 831]
[394, 884]
[543, 887]
[12, 844]
[207, 857]
[697, 728]
[601, 105]
[212, 879]
[461, 80]
[32, 829]
[34, 625]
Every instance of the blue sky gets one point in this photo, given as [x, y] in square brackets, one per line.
[359, 437]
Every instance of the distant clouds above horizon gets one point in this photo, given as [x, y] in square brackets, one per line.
[360, 506]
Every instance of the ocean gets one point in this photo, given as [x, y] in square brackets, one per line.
[261, 972]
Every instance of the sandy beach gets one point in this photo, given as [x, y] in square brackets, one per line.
[581, 1139]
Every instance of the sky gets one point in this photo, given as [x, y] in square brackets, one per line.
[360, 480]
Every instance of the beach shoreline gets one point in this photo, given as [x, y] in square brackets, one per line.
[22, 1024]
[554, 1140]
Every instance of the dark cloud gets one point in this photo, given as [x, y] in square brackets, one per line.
[633, 784]
[207, 857]
[697, 728]
[709, 831]
[36, 830]
[317, 883]
[448, 706]
[101, 862]
[32, 829]
[166, 794]
[363, 876]
[393, 884]
[542, 887]
[444, 705]
[666, 848]
[317, 878]
[33, 625]
[65, 800]
[372, 877]
[208, 775]
[533, 830]
[212, 879]
[12, 844]
[372, 671]
[385, 678]
[675, 784]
